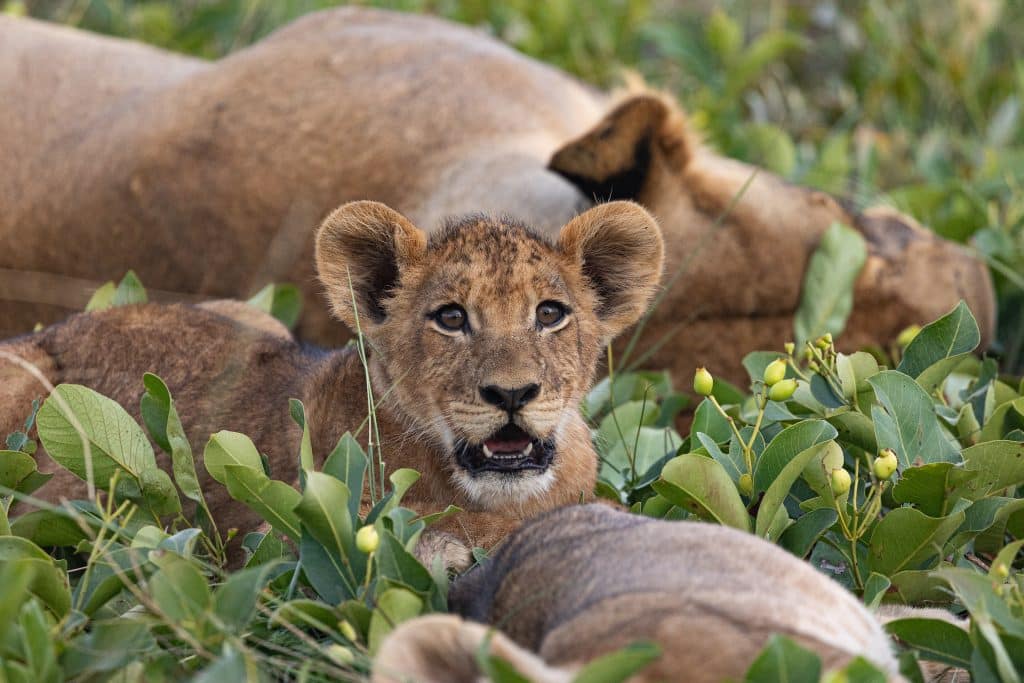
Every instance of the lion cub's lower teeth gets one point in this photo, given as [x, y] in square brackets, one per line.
[508, 456]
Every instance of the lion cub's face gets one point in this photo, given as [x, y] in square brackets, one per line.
[487, 332]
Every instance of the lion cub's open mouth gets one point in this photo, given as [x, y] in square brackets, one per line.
[510, 449]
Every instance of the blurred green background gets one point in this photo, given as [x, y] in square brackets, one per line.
[916, 104]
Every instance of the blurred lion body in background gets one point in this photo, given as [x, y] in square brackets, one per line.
[208, 177]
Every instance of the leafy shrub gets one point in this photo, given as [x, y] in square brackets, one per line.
[806, 460]
[903, 484]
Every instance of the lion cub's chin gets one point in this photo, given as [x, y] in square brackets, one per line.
[499, 490]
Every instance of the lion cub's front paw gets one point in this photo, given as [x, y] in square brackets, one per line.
[455, 555]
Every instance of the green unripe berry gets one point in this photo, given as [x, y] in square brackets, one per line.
[346, 629]
[790, 347]
[341, 654]
[703, 382]
[907, 335]
[775, 372]
[782, 390]
[1002, 571]
[840, 481]
[367, 539]
[824, 341]
[885, 464]
[746, 484]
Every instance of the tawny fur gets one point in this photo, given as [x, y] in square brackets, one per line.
[230, 367]
[206, 177]
[583, 581]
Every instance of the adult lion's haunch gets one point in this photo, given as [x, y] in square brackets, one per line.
[206, 177]
[483, 339]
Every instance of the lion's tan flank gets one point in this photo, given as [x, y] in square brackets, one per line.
[586, 580]
[206, 177]
[230, 367]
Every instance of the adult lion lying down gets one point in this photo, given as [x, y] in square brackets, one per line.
[484, 338]
[206, 177]
[584, 581]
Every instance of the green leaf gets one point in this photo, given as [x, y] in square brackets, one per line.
[906, 537]
[394, 606]
[161, 418]
[298, 412]
[776, 493]
[1008, 416]
[618, 666]
[234, 602]
[49, 582]
[805, 532]
[347, 463]
[115, 439]
[933, 487]
[914, 587]
[50, 528]
[874, 590]
[999, 464]
[108, 646]
[38, 644]
[230, 448]
[158, 493]
[180, 591]
[707, 419]
[856, 429]
[854, 371]
[323, 510]
[702, 486]
[19, 472]
[16, 577]
[267, 549]
[732, 460]
[395, 564]
[232, 665]
[283, 301]
[401, 481]
[102, 298]
[306, 614]
[274, 501]
[827, 297]
[783, 661]
[325, 570]
[789, 443]
[940, 346]
[905, 421]
[935, 639]
[1006, 556]
[129, 291]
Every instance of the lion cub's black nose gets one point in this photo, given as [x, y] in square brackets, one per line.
[509, 400]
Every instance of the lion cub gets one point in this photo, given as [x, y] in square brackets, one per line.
[482, 340]
[586, 580]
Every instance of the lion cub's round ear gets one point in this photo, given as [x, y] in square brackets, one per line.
[368, 244]
[619, 249]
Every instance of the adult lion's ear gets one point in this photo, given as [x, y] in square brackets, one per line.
[619, 249]
[613, 160]
[367, 244]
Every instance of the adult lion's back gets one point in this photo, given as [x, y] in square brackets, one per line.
[207, 177]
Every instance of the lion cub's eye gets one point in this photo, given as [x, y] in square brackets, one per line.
[550, 313]
[451, 317]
